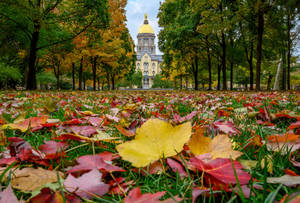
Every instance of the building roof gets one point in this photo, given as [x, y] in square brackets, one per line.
[146, 28]
[153, 57]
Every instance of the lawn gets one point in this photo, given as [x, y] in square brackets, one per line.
[149, 146]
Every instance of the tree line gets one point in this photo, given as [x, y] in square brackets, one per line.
[82, 38]
[230, 42]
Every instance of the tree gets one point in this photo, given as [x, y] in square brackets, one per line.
[40, 22]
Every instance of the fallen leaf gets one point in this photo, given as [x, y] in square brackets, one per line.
[222, 170]
[219, 147]
[26, 124]
[3, 139]
[86, 186]
[291, 198]
[100, 136]
[288, 137]
[248, 164]
[30, 179]
[269, 161]
[177, 167]
[127, 133]
[154, 140]
[86, 131]
[8, 196]
[53, 150]
[94, 121]
[226, 127]
[198, 191]
[90, 162]
[48, 195]
[135, 196]
[285, 180]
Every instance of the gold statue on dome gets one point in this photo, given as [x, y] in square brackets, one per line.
[146, 16]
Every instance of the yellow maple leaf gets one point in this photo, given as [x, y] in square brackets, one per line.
[219, 147]
[154, 140]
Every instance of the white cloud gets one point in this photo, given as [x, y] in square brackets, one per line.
[135, 12]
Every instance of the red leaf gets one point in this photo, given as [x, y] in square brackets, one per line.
[90, 162]
[7, 161]
[290, 172]
[53, 150]
[94, 121]
[135, 196]
[197, 191]
[127, 133]
[24, 125]
[222, 170]
[288, 137]
[68, 136]
[8, 196]
[47, 195]
[285, 115]
[86, 186]
[87, 131]
[177, 167]
[226, 127]
[22, 150]
[72, 122]
[120, 187]
[294, 125]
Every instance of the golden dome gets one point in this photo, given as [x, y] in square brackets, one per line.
[146, 28]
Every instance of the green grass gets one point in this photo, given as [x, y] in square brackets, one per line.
[168, 180]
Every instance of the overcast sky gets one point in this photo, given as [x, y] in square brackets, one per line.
[135, 12]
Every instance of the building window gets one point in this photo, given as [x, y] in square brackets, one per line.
[140, 49]
[146, 66]
[146, 41]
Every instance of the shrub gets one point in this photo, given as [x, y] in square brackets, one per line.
[9, 76]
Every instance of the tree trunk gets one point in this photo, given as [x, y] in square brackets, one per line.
[231, 75]
[276, 83]
[98, 81]
[224, 61]
[283, 70]
[289, 54]
[80, 73]
[195, 72]
[108, 81]
[219, 77]
[113, 82]
[31, 77]
[181, 82]
[84, 82]
[231, 66]
[260, 32]
[73, 76]
[270, 76]
[209, 65]
[250, 61]
[94, 71]
[186, 82]
[58, 78]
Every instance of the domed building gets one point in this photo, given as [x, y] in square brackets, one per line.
[147, 60]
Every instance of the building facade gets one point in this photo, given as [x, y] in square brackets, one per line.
[147, 60]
